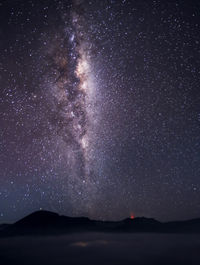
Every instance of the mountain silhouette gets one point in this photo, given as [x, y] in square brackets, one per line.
[46, 223]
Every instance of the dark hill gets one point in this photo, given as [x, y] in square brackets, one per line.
[142, 224]
[48, 223]
[38, 218]
[45, 222]
[46, 218]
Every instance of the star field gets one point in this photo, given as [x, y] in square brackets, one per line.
[100, 112]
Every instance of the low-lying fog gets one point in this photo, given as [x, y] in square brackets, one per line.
[99, 248]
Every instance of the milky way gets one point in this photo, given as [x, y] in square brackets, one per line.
[73, 97]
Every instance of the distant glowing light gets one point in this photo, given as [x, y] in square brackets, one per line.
[132, 216]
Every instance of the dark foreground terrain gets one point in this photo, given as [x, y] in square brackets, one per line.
[102, 248]
[42, 223]
[46, 238]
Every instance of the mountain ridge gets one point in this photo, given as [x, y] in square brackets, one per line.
[50, 223]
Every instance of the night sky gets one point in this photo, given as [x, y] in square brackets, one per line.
[100, 108]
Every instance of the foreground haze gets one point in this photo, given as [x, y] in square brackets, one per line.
[100, 248]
